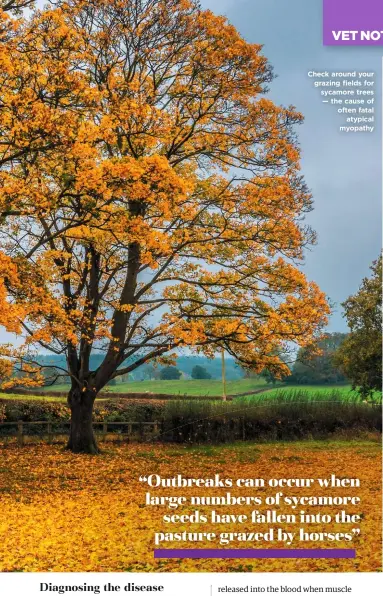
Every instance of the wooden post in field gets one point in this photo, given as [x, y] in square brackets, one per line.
[49, 431]
[223, 376]
[20, 436]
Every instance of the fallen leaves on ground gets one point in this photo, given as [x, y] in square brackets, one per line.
[65, 512]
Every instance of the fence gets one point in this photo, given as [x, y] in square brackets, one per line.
[21, 428]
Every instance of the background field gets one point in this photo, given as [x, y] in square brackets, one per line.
[181, 387]
[203, 388]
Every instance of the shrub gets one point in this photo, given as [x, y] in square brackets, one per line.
[287, 416]
[200, 372]
[170, 373]
[12, 411]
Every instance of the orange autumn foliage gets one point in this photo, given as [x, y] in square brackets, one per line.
[62, 513]
[151, 196]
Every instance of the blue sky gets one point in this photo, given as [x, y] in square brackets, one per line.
[343, 171]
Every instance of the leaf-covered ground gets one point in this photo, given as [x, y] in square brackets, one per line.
[64, 512]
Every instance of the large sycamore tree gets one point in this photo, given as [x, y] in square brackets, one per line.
[150, 199]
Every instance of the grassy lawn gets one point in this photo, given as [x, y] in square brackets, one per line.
[181, 387]
[311, 390]
[315, 392]
[47, 398]
[210, 387]
[17, 396]
[190, 387]
[63, 512]
[344, 389]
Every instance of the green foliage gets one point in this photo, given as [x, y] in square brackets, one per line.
[360, 355]
[313, 368]
[170, 373]
[269, 377]
[147, 372]
[271, 374]
[200, 372]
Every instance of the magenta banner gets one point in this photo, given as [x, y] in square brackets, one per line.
[352, 22]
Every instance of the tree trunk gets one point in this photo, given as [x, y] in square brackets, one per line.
[81, 437]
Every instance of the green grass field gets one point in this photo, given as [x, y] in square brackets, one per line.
[17, 396]
[181, 387]
[344, 390]
[320, 392]
[214, 387]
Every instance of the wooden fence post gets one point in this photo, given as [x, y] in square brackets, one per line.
[20, 436]
[49, 432]
[104, 430]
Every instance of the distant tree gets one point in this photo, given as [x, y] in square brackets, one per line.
[200, 372]
[170, 373]
[315, 364]
[360, 355]
[147, 372]
[271, 373]
[249, 374]
[269, 377]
